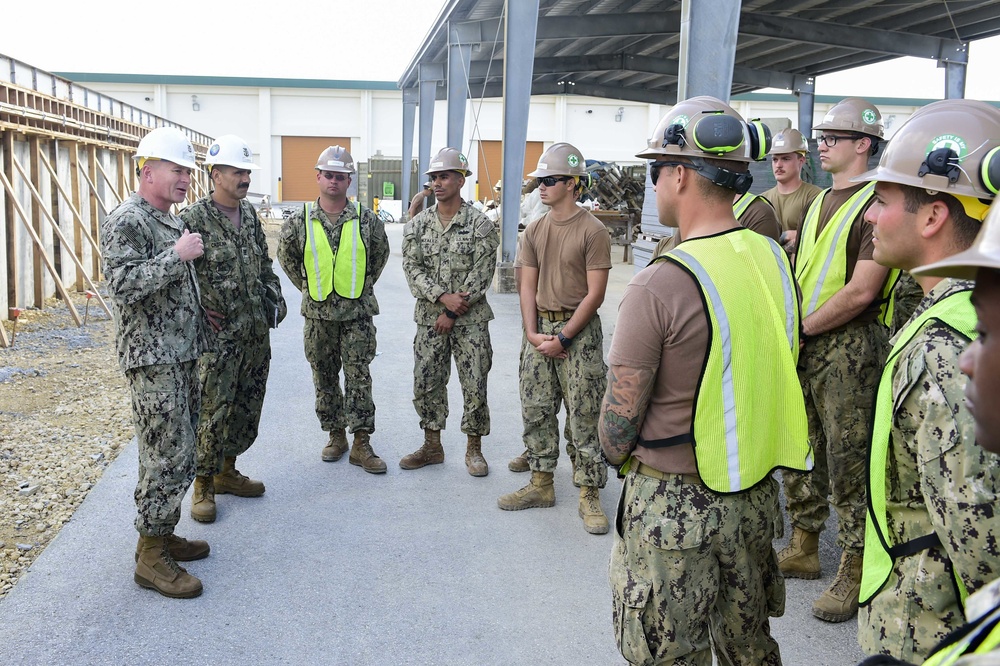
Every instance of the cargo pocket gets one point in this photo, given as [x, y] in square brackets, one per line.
[630, 595]
[154, 403]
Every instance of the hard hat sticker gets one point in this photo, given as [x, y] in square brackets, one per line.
[952, 141]
[543, 165]
[868, 116]
[214, 150]
[334, 163]
[573, 160]
[681, 120]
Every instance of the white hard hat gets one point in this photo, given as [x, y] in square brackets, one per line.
[230, 150]
[169, 144]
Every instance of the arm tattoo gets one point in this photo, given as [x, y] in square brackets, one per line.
[624, 409]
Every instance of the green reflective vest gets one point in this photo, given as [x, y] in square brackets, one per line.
[344, 273]
[978, 637]
[821, 260]
[749, 414]
[955, 311]
[743, 203]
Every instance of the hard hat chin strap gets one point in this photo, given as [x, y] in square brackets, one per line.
[731, 180]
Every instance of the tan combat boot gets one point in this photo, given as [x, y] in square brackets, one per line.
[839, 602]
[594, 520]
[363, 456]
[181, 549]
[538, 494]
[429, 453]
[203, 500]
[157, 570]
[474, 460]
[232, 482]
[520, 463]
[336, 447]
[800, 558]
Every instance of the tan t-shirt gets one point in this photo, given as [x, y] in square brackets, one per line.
[563, 252]
[665, 328]
[859, 240]
[791, 208]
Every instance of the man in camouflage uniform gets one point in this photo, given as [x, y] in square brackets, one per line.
[449, 258]
[699, 332]
[338, 303]
[148, 257]
[242, 297]
[565, 261]
[931, 517]
[843, 296]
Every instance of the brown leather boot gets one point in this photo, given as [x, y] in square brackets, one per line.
[363, 456]
[181, 549]
[594, 520]
[539, 493]
[203, 500]
[520, 463]
[474, 460]
[429, 453]
[156, 569]
[800, 558]
[231, 481]
[839, 602]
[336, 447]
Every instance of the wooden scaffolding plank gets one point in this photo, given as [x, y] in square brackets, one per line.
[13, 261]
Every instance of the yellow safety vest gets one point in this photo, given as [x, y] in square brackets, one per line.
[744, 202]
[821, 261]
[344, 273]
[740, 431]
[981, 637]
[955, 311]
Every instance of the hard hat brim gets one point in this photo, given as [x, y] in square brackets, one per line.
[963, 265]
[184, 163]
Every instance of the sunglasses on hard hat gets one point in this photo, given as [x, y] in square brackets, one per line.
[550, 181]
[334, 175]
[831, 139]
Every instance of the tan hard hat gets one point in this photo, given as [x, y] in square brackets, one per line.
[984, 253]
[335, 158]
[561, 159]
[853, 114]
[449, 159]
[949, 146]
[789, 141]
[707, 127]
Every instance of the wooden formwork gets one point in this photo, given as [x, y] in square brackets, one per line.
[65, 166]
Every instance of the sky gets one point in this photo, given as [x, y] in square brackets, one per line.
[367, 40]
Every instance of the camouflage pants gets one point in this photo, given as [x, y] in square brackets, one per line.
[165, 411]
[580, 380]
[692, 569]
[917, 608]
[331, 345]
[233, 380]
[839, 373]
[432, 353]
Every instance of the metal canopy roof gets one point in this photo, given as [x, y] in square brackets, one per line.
[628, 49]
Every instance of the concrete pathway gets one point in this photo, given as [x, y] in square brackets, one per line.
[336, 566]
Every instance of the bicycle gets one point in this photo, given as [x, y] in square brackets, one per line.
[385, 216]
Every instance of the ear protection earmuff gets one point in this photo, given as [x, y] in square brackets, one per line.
[989, 170]
[945, 162]
[760, 139]
[718, 134]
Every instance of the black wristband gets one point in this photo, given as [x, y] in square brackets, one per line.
[564, 341]
[450, 314]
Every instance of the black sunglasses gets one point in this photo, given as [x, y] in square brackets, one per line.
[550, 181]
[333, 175]
[654, 168]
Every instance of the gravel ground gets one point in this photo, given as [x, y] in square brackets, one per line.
[64, 416]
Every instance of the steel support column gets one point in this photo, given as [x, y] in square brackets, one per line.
[429, 77]
[954, 80]
[707, 48]
[519, 55]
[410, 96]
[806, 92]
[459, 59]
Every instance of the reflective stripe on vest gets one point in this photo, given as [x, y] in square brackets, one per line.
[955, 649]
[956, 312]
[343, 273]
[742, 204]
[821, 262]
[741, 433]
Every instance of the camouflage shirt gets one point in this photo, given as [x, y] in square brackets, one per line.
[290, 253]
[457, 258]
[154, 295]
[235, 269]
[939, 480]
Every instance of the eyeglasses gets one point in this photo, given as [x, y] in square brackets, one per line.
[654, 168]
[831, 139]
[550, 181]
[334, 175]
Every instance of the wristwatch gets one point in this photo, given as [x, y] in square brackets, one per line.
[450, 314]
[564, 341]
